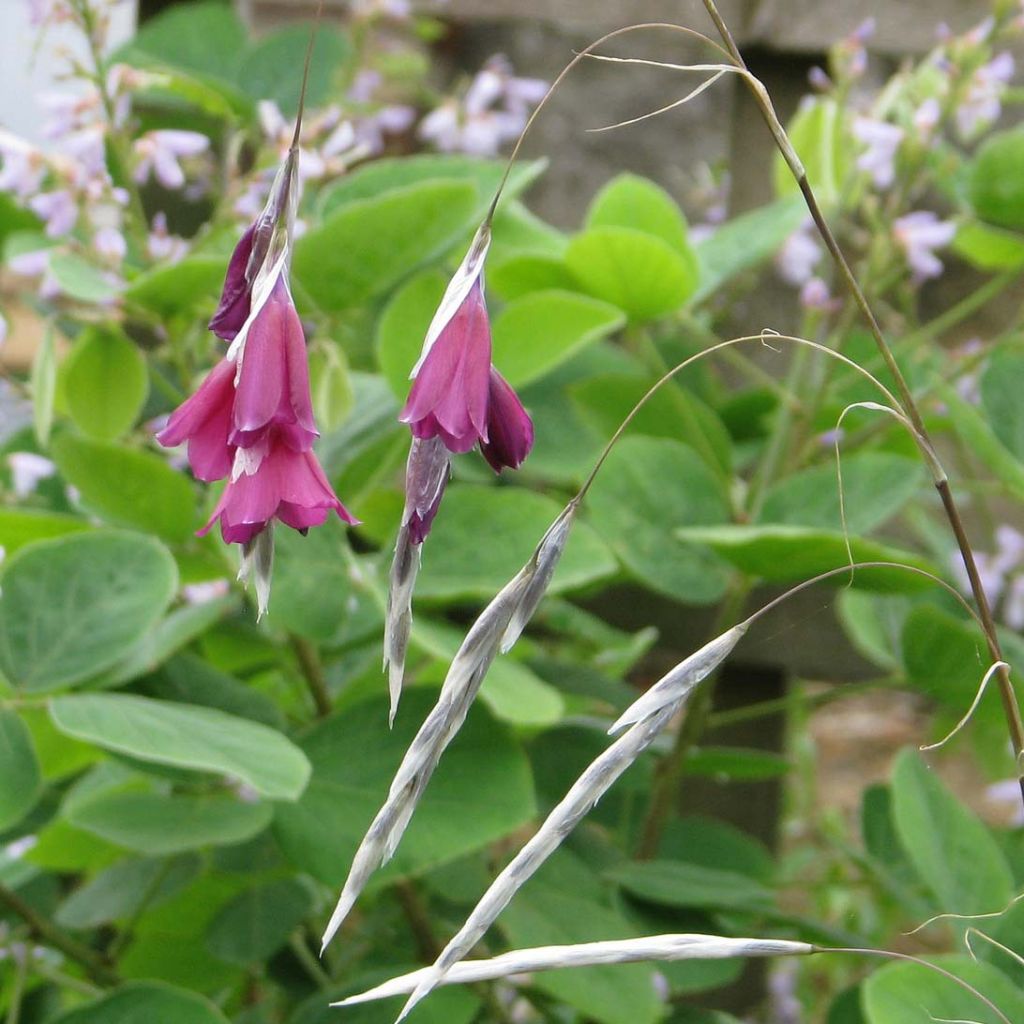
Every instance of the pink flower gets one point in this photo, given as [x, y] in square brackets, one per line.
[272, 389]
[159, 153]
[233, 309]
[204, 421]
[509, 428]
[286, 485]
[449, 396]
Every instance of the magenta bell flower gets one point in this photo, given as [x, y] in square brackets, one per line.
[509, 427]
[272, 391]
[286, 485]
[233, 309]
[204, 421]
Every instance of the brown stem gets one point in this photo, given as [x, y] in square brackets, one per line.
[43, 928]
[312, 673]
[910, 408]
[428, 949]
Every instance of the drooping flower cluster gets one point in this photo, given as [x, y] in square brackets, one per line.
[458, 399]
[251, 420]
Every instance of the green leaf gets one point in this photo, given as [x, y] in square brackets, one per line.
[82, 280]
[782, 553]
[953, 852]
[272, 68]
[148, 1001]
[876, 486]
[257, 922]
[646, 489]
[523, 273]
[746, 241]
[21, 526]
[642, 275]
[128, 487]
[204, 37]
[996, 182]
[468, 564]
[672, 411]
[629, 201]
[19, 769]
[74, 606]
[912, 994]
[403, 326]
[105, 383]
[677, 884]
[186, 736]
[367, 247]
[538, 332]
[43, 385]
[125, 888]
[312, 587]
[1000, 393]
[191, 283]
[155, 824]
[822, 140]
[565, 903]
[392, 174]
[330, 382]
[979, 437]
[989, 248]
[480, 792]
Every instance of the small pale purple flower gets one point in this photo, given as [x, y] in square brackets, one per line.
[919, 234]
[798, 257]
[160, 151]
[927, 118]
[982, 102]
[818, 78]
[815, 295]
[24, 166]
[881, 143]
[162, 245]
[27, 470]
[30, 264]
[110, 243]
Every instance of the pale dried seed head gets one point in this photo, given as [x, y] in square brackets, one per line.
[584, 954]
[398, 616]
[677, 683]
[543, 564]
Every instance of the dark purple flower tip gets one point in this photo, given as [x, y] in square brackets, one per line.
[287, 485]
[509, 427]
[448, 398]
[204, 420]
[273, 383]
[235, 297]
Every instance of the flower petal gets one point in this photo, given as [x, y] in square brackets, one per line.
[509, 427]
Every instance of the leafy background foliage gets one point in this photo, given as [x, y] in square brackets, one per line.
[182, 790]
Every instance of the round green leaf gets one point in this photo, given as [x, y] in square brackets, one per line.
[534, 334]
[155, 824]
[642, 275]
[1001, 385]
[182, 286]
[912, 994]
[953, 852]
[19, 769]
[82, 280]
[403, 326]
[629, 201]
[989, 248]
[148, 1001]
[647, 488]
[678, 884]
[367, 247]
[128, 487]
[257, 922]
[186, 736]
[481, 791]
[74, 606]
[996, 184]
[21, 526]
[526, 272]
[105, 383]
[463, 560]
[782, 553]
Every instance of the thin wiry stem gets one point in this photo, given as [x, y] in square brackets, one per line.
[652, 25]
[909, 406]
[305, 75]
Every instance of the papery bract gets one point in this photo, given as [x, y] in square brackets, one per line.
[233, 309]
[284, 484]
[204, 421]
